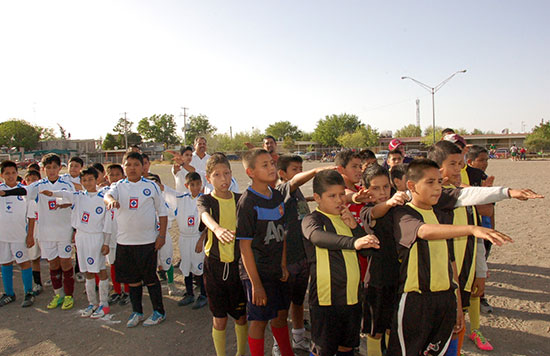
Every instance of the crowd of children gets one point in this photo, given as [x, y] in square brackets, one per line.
[396, 252]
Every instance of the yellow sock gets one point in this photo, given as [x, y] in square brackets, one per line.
[242, 338]
[473, 310]
[219, 341]
[387, 338]
[374, 346]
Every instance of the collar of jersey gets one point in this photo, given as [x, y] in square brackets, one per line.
[327, 214]
[218, 198]
[260, 194]
[415, 207]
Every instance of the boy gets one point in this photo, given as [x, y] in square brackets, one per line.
[397, 177]
[13, 241]
[139, 202]
[260, 228]
[34, 252]
[181, 167]
[88, 218]
[146, 165]
[225, 292]
[101, 181]
[395, 158]
[333, 238]
[368, 158]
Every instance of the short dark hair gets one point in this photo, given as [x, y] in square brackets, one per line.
[366, 154]
[199, 138]
[447, 131]
[185, 149]
[33, 173]
[475, 151]
[267, 137]
[216, 158]
[33, 167]
[326, 178]
[284, 161]
[51, 158]
[395, 152]
[372, 171]
[89, 171]
[6, 164]
[77, 160]
[99, 167]
[441, 150]
[343, 158]
[417, 168]
[154, 177]
[145, 156]
[115, 166]
[133, 155]
[192, 176]
[398, 172]
[250, 156]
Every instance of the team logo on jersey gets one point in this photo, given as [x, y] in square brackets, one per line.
[90, 261]
[168, 261]
[191, 220]
[146, 192]
[20, 198]
[85, 217]
[19, 254]
[200, 266]
[68, 248]
[112, 214]
[134, 203]
[98, 210]
[36, 215]
[52, 204]
[8, 207]
[158, 226]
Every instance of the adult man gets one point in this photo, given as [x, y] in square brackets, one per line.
[200, 156]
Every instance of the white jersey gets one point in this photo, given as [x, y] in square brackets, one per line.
[13, 216]
[110, 227]
[55, 223]
[88, 210]
[187, 214]
[179, 178]
[69, 178]
[234, 187]
[140, 203]
[199, 163]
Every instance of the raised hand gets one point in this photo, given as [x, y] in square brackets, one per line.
[494, 236]
[524, 194]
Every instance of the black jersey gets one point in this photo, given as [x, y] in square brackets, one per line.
[296, 209]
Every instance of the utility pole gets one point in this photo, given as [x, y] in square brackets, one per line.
[184, 129]
[231, 132]
[125, 131]
[418, 113]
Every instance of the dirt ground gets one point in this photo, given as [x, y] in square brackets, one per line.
[518, 289]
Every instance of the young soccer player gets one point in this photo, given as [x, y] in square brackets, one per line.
[395, 158]
[182, 166]
[139, 202]
[221, 265]
[260, 228]
[333, 238]
[101, 181]
[88, 217]
[146, 165]
[397, 177]
[34, 252]
[13, 239]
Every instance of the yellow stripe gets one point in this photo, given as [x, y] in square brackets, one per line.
[464, 176]
[460, 218]
[228, 220]
[412, 283]
[323, 276]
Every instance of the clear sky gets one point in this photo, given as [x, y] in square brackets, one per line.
[250, 63]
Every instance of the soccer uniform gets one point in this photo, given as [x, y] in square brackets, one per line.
[13, 219]
[355, 210]
[199, 163]
[260, 218]
[334, 282]
[32, 213]
[179, 178]
[221, 264]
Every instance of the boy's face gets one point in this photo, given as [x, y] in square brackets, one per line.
[52, 171]
[380, 188]
[428, 189]
[10, 176]
[133, 169]
[400, 184]
[292, 169]
[394, 159]
[89, 182]
[187, 156]
[31, 179]
[481, 161]
[331, 201]
[352, 171]
[264, 170]
[220, 178]
[451, 167]
[146, 165]
[100, 177]
[194, 187]
[74, 169]
[366, 164]
[114, 175]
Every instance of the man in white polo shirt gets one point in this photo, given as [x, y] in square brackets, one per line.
[200, 156]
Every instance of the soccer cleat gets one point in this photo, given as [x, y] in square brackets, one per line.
[124, 299]
[186, 300]
[155, 319]
[6, 299]
[200, 302]
[481, 342]
[37, 289]
[485, 306]
[29, 300]
[68, 302]
[275, 350]
[114, 298]
[56, 301]
[79, 277]
[86, 313]
[134, 320]
[302, 344]
[100, 312]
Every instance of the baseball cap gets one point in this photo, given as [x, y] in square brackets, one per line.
[394, 144]
[456, 139]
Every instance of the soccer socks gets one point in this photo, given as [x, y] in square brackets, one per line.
[26, 276]
[283, 340]
[218, 336]
[170, 275]
[7, 279]
[374, 346]
[103, 292]
[200, 282]
[36, 277]
[256, 346]
[136, 294]
[55, 276]
[90, 291]
[241, 331]
[155, 293]
[189, 284]
[116, 286]
[452, 350]
[126, 288]
[473, 311]
[68, 282]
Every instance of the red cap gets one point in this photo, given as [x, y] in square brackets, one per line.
[455, 138]
[394, 144]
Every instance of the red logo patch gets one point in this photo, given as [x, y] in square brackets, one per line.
[85, 218]
[191, 221]
[52, 204]
[134, 203]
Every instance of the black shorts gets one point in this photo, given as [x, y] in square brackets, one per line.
[423, 324]
[379, 308]
[298, 281]
[277, 299]
[465, 298]
[224, 296]
[136, 263]
[333, 326]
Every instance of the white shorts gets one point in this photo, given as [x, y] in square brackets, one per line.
[34, 251]
[165, 254]
[89, 246]
[111, 256]
[53, 249]
[191, 262]
[13, 251]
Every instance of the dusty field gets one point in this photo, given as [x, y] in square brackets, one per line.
[519, 290]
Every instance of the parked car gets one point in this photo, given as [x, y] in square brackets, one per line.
[414, 153]
[313, 156]
[232, 157]
[382, 154]
[501, 153]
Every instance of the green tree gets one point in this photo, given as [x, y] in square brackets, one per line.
[46, 133]
[539, 139]
[410, 130]
[110, 142]
[19, 134]
[198, 125]
[363, 136]
[123, 126]
[62, 132]
[305, 136]
[331, 127]
[282, 130]
[477, 132]
[159, 128]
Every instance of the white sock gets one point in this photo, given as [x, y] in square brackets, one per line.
[298, 334]
[90, 291]
[104, 292]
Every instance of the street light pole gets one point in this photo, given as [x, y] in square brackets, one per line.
[433, 90]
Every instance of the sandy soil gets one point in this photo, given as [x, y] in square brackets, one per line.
[518, 289]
